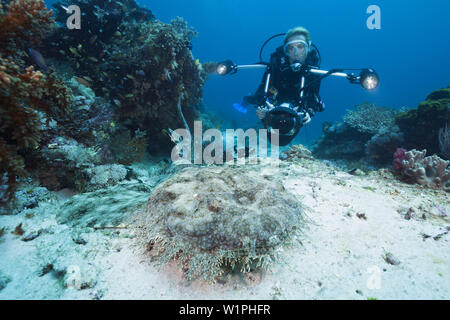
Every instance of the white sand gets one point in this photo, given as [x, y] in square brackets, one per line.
[341, 257]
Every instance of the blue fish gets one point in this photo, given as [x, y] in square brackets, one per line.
[240, 108]
[38, 59]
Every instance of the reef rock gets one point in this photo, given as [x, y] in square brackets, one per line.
[215, 217]
[296, 153]
[421, 125]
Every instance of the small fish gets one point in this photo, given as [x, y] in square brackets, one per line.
[117, 34]
[62, 52]
[129, 76]
[74, 51]
[93, 59]
[130, 95]
[140, 73]
[38, 59]
[65, 8]
[175, 137]
[80, 46]
[83, 82]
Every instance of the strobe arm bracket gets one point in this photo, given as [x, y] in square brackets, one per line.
[367, 78]
[228, 67]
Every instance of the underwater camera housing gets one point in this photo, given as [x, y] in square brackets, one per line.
[285, 120]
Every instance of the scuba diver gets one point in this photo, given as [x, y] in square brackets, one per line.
[286, 68]
[288, 96]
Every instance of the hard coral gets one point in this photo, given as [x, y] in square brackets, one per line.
[370, 118]
[430, 171]
[216, 217]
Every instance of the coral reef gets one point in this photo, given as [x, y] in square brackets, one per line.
[210, 219]
[29, 198]
[28, 98]
[372, 134]
[137, 63]
[341, 141]
[363, 134]
[430, 171]
[370, 118]
[421, 125]
[63, 164]
[22, 21]
[126, 71]
[444, 141]
[296, 153]
[380, 147]
[106, 175]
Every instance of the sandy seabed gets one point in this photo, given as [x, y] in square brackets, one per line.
[368, 237]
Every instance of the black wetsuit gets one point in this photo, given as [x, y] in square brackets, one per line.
[285, 84]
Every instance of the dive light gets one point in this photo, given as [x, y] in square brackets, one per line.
[225, 67]
[369, 79]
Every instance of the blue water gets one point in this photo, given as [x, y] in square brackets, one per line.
[410, 52]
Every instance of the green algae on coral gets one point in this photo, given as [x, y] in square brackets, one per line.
[421, 125]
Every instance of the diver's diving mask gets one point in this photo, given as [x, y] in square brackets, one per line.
[296, 49]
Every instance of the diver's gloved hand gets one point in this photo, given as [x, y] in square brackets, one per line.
[306, 118]
[260, 113]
